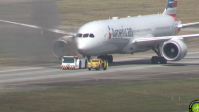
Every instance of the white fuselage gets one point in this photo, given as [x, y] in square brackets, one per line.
[116, 35]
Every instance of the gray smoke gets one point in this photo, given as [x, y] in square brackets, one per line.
[45, 13]
[24, 43]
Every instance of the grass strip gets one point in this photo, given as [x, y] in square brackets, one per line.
[150, 96]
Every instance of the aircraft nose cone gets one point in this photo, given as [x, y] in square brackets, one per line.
[83, 47]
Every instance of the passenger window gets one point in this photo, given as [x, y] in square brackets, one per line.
[79, 35]
[91, 35]
[85, 35]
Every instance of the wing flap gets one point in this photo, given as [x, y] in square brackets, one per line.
[150, 41]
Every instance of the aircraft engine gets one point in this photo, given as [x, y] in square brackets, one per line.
[64, 46]
[174, 50]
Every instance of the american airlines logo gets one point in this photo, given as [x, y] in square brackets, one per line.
[121, 33]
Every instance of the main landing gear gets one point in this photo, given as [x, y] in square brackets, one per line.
[107, 57]
[158, 58]
[88, 58]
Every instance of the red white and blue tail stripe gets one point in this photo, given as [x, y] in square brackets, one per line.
[171, 8]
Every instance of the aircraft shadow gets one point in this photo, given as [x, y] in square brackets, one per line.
[131, 62]
[148, 62]
[54, 64]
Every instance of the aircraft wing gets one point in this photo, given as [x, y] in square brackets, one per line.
[188, 25]
[37, 27]
[157, 40]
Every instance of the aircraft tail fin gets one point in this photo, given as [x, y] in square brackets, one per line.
[171, 8]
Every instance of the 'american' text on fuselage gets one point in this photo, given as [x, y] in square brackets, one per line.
[121, 33]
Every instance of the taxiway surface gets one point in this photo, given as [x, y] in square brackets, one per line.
[122, 70]
[26, 61]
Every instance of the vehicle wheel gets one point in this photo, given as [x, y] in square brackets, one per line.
[99, 68]
[103, 65]
[163, 60]
[80, 64]
[154, 60]
[89, 68]
[104, 68]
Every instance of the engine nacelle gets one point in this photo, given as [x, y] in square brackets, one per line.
[64, 46]
[174, 50]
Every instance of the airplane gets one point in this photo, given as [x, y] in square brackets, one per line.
[157, 32]
[196, 108]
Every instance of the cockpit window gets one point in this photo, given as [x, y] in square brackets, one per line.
[85, 35]
[91, 35]
[79, 35]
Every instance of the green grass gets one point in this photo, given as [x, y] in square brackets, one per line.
[79, 12]
[147, 96]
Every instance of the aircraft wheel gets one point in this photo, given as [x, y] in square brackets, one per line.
[163, 60]
[110, 58]
[154, 60]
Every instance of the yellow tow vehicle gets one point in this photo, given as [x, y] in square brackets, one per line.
[97, 64]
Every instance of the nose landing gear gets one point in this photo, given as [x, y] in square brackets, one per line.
[88, 58]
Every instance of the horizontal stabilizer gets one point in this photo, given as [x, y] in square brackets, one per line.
[188, 25]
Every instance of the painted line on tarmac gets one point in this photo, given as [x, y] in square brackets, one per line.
[44, 70]
[15, 70]
[36, 73]
[125, 77]
[81, 73]
[183, 72]
[193, 53]
[29, 72]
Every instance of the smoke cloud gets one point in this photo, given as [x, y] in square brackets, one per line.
[27, 44]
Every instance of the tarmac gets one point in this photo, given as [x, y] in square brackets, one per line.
[26, 61]
[121, 71]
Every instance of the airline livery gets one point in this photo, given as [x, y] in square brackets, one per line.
[126, 36]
